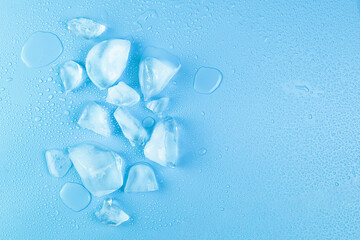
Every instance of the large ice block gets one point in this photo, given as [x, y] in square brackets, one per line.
[95, 118]
[162, 147]
[131, 127]
[157, 67]
[111, 213]
[122, 95]
[101, 170]
[106, 62]
[85, 27]
[72, 75]
[141, 178]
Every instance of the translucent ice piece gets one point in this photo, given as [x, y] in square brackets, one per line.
[75, 196]
[72, 75]
[101, 171]
[58, 162]
[162, 147]
[207, 80]
[111, 213]
[131, 127]
[156, 69]
[158, 105]
[41, 49]
[95, 118]
[141, 179]
[85, 28]
[122, 95]
[106, 62]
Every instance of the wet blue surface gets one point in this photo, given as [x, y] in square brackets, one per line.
[281, 132]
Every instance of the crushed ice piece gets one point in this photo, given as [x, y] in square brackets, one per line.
[106, 62]
[148, 122]
[162, 147]
[101, 171]
[131, 127]
[122, 95]
[207, 80]
[141, 178]
[159, 105]
[58, 162]
[95, 118]
[72, 75]
[85, 28]
[111, 213]
[156, 69]
[75, 196]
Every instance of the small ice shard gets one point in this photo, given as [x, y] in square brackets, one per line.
[85, 28]
[100, 170]
[75, 196]
[156, 69]
[158, 105]
[207, 80]
[141, 179]
[95, 118]
[111, 213]
[58, 162]
[106, 62]
[162, 147]
[72, 75]
[131, 127]
[122, 95]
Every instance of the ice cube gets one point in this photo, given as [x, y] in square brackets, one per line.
[111, 213]
[156, 69]
[95, 118]
[85, 28]
[141, 178]
[100, 170]
[131, 127]
[72, 75]
[75, 196]
[158, 105]
[106, 62]
[58, 162]
[122, 95]
[162, 147]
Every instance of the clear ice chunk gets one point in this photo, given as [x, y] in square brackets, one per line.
[131, 127]
[106, 62]
[156, 69]
[111, 213]
[141, 178]
[162, 147]
[58, 162]
[122, 95]
[159, 105]
[85, 28]
[95, 118]
[72, 75]
[75, 196]
[101, 171]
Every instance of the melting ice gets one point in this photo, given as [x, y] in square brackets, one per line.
[85, 28]
[156, 69]
[158, 105]
[58, 162]
[75, 196]
[122, 95]
[141, 178]
[162, 147]
[101, 171]
[72, 75]
[131, 127]
[106, 62]
[95, 118]
[111, 213]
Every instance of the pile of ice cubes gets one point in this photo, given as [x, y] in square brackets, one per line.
[101, 170]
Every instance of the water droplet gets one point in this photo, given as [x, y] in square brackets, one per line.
[202, 113]
[207, 80]
[41, 49]
[9, 79]
[302, 88]
[202, 151]
[37, 119]
[310, 116]
[2, 89]
[148, 122]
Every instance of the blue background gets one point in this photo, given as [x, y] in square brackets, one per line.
[281, 132]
